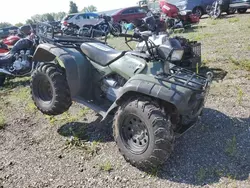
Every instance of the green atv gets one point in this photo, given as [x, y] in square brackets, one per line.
[150, 99]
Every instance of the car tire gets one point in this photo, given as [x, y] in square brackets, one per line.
[143, 133]
[49, 89]
[242, 10]
[231, 11]
[198, 11]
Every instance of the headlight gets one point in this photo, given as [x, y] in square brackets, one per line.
[177, 55]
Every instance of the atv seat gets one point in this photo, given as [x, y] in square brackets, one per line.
[101, 53]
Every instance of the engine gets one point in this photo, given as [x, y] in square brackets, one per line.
[111, 85]
[21, 62]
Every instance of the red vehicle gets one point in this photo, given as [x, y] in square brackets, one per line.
[3, 48]
[129, 15]
[183, 17]
[11, 40]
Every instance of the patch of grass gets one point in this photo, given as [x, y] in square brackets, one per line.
[231, 147]
[66, 117]
[214, 22]
[153, 172]
[201, 175]
[199, 36]
[243, 63]
[31, 106]
[107, 167]
[2, 121]
[74, 142]
[233, 20]
[240, 95]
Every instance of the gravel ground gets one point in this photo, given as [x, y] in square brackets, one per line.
[77, 150]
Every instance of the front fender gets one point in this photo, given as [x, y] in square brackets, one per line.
[150, 86]
[76, 65]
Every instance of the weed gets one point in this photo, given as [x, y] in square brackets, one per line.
[244, 63]
[31, 106]
[2, 121]
[231, 147]
[233, 20]
[240, 95]
[201, 175]
[74, 142]
[153, 172]
[107, 167]
[214, 22]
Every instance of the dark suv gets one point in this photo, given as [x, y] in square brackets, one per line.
[129, 14]
[4, 32]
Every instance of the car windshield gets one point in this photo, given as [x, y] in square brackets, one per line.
[67, 17]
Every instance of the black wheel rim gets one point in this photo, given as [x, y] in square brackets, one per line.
[198, 12]
[134, 134]
[45, 91]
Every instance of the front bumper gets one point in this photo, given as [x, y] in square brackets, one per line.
[240, 5]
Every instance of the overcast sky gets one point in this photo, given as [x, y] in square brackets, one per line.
[15, 11]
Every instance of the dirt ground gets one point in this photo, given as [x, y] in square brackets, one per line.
[77, 150]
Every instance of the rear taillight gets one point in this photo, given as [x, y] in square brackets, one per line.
[65, 23]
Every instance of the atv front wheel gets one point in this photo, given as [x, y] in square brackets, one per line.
[2, 79]
[143, 133]
[50, 90]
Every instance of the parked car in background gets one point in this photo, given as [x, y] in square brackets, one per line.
[5, 32]
[129, 14]
[240, 5]
[199, 6]
[80, 19]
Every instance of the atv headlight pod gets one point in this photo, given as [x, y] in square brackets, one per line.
[177, 55]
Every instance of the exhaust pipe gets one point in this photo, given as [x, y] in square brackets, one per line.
[5, 72]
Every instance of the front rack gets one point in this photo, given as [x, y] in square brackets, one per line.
[186, 78]
[47, 34]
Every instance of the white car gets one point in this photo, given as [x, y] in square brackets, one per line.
[80, 19]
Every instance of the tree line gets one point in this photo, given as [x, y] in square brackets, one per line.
[50, 17]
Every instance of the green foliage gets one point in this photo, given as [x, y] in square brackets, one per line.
[231, 147]
[73, 7]
[50, 17]
[201, 175]
[240, 95]
[90, 8]
[233, 20]
[4, 24]
[107, 167]
[19, 24]
[29, 21]
[2, 121]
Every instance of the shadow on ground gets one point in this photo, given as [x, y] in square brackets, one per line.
[219, 74]
[94, 131]
[218, 146]
[13, 83]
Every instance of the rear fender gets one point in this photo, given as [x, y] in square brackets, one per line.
[76, 65]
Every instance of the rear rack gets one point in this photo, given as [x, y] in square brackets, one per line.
[47, 34]
[187, 79]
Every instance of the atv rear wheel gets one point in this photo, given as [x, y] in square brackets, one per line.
[2, 79]
[50, 90]
[143, 133]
